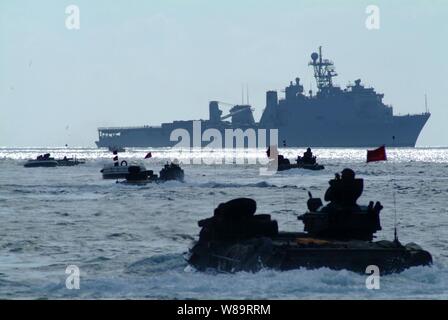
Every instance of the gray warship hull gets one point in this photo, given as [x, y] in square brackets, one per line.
[295, 132]
[402, 131]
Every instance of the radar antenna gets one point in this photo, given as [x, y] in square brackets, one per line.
[323, 70]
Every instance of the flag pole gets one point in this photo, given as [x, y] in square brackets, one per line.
[394, 198]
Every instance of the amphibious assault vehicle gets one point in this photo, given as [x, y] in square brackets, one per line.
[171, 171]
[338, 235]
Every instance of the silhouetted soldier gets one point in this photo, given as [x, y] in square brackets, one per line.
[343, 192]
[308, 156]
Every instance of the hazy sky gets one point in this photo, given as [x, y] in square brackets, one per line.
[146, 62]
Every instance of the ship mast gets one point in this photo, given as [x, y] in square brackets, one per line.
[323, 70]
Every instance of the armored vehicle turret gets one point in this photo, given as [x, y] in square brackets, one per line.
[342, 218]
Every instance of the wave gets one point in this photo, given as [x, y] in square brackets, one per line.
[157, 264]
[169, 277]
[261, 184]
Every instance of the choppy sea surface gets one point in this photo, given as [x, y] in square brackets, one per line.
[130, 241]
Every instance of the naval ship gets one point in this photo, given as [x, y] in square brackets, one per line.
[354, 116]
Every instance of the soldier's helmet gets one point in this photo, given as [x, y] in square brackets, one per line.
[348, 174]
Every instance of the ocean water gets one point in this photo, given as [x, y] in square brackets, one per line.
[130, 241]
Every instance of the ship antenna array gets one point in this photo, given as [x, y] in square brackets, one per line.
[426, 103]
[324, 71]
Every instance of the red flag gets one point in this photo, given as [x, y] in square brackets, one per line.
[149, 155]
[377, 154]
